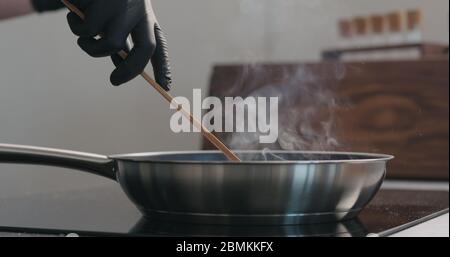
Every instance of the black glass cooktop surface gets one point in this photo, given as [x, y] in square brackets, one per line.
[107, 211]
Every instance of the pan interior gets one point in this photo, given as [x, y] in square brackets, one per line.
[253, 157]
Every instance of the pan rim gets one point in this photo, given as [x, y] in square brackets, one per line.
[141, 157]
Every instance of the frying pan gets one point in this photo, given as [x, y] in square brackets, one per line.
[285, 187]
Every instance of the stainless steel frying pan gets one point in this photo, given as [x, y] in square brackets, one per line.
[203, 187]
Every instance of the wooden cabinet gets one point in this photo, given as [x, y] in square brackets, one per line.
[399, 107]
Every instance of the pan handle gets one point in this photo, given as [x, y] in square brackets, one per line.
[93, 163]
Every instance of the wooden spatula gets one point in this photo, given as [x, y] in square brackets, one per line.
[205, 132]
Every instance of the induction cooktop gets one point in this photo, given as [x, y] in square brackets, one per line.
[106, 211]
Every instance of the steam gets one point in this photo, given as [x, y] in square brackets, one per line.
[306, 108]
[267, 154]
[307, 119]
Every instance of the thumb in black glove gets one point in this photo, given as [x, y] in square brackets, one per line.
[116, 20]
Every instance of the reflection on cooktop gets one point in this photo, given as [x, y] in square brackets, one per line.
[346, 228]
[107, 211]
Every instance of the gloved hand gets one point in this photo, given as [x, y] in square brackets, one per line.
[115, 20]
[47, 5]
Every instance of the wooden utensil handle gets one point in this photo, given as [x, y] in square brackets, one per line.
[198, 124]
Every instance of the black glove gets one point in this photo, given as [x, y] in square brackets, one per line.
[115, 20]
[47, 5]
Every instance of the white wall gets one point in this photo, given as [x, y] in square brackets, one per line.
[51, 94]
